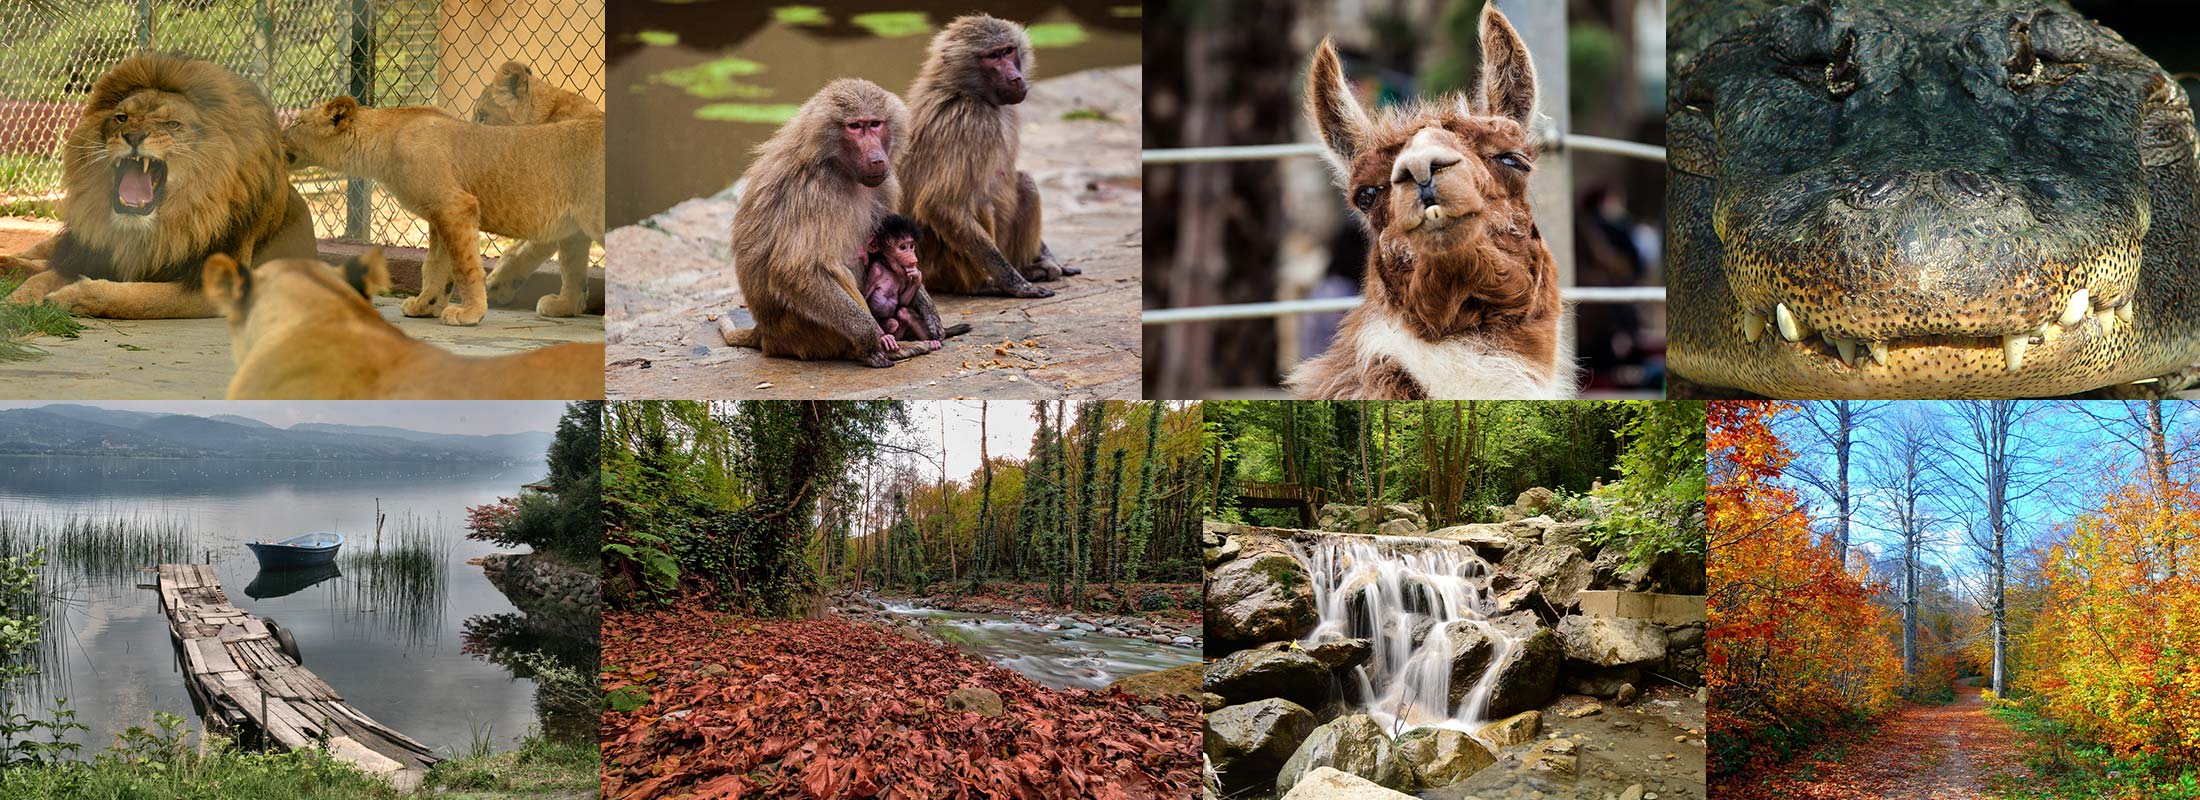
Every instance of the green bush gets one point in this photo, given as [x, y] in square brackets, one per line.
[1155, 600]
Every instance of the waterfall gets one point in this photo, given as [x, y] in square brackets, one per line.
[1387, 588]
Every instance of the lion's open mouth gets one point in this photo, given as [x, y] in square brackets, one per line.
[140, 183]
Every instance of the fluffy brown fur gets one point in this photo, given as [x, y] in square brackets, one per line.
[1462, 296]
[208, 140]
[514, 96]
[303, 330]
[981, 216]
[532, 182]
[799, 233]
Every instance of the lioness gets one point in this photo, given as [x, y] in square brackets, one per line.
[532, 182]
[301, 329]
[514, 96]
[173, 160]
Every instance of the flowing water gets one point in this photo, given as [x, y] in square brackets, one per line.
[392, 634]
[1404, 595]
[1057, 659]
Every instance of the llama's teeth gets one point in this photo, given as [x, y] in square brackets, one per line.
[1433, 214]
[1753, 326]
[1878, 351]
[2013, 345]
[2076, 309]
[1847, 348]
[1789, 329]
[2123, 312]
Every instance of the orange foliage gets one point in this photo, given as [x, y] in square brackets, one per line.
[1795, 642]
[2118, 642]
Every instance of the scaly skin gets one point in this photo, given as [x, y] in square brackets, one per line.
[1906, 198]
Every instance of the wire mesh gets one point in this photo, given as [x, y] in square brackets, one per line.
[301, 53]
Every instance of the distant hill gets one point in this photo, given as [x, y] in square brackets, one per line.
[64, 429]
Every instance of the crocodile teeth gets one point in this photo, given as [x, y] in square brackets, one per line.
[1789, 328]
[1878, 351]
[2014, 345]
[2123, 312]
[1847, 348]
[2107, 320]
[1753, 325]
[2076, 309]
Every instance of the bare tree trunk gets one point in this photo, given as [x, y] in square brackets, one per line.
[2157, 446]
[1846, 424]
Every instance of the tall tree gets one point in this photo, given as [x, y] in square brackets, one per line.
[984, 544]
[1905, 476]
[1142, 512]
[1831, 429]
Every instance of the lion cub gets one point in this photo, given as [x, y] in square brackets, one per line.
[303, 330]
[533, 182]
[516, 96]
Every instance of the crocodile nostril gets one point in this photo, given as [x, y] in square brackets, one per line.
[1874, 191]
[1968, 185]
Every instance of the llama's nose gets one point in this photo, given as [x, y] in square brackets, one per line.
[1421, 158]
[1428, 193]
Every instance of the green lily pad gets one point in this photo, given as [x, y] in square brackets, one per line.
[714, 79]
[894, 24]
[657, 38]
[761, 113]
[800, 15]
[1056, 34]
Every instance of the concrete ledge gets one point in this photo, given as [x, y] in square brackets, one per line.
[1664, 609]
[404, 263]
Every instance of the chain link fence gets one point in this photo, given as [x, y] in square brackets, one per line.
[301, 52]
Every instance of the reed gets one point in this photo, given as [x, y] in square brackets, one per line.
[408, 575]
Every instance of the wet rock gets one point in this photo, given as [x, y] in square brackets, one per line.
[1491, 540]
[1342, 654]
[1180, 641]
[1354, 744]
[1633, 792]
[1247, 744]
[1582, 710]
[1266, 598]
[1559, 571]
[1248, 675]
[977, 699]
[1626, 694]
[1553, 755]
[1086, 626]
[1600, 681]
[1362, 519]
[1609, 642]
[1184, 680]
[1529, 677]
[1471, 650]
[1326, 783]
[1517, 729]
[1209, 701]
[1216, 555]
[1441, 756]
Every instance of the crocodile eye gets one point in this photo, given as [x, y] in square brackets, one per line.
[1365, 198]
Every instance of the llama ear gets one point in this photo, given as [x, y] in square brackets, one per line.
[1336, 114]
[1506, 87]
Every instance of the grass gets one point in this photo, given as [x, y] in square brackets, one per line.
[539, 768]
[19, 321]
[2068, 768]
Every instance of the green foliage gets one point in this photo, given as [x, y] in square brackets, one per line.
[2065, 766]
[161, 764]
[1660, 494]
[20, 321]
[626, 699]
[567, 520]
[1155, 600]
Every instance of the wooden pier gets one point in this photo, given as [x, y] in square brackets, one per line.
[243, 681]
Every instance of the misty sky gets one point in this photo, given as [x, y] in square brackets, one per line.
[427, 416]
[1009, 428]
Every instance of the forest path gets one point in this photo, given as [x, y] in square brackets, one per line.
[1949, 752]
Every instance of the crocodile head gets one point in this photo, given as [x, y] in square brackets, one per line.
[1890, 198]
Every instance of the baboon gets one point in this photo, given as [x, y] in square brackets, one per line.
[514, 96]
[894, 288]
[981, 217]
[1462, 296]
[816, 191]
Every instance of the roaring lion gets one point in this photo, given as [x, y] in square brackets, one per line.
[540, 183]
[303, 330]
[174, 160]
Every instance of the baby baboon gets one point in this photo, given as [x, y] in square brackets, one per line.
[980, 216]
[894, 287]
[816, 191]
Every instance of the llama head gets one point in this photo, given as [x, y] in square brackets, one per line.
[1442, 186]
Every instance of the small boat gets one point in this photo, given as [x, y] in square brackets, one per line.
[309, 550]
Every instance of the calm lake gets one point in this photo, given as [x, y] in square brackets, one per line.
[393, 645]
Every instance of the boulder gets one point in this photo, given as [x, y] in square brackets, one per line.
[1184, 681]
[1528, 678]
[1441, 756]
[1534, 501]
[1248, 675]
[1247, 744]
[1342, 654]
[1553, 755]
[1471, 650]
[1264, 598]
[1404, 511]
[1609, 642]
[1401, 527]
[1559, 571]
[1221, 553]
[1500, 513]
[975, 699]
[1353, 744]
[1684, 637]
[1491, 540]
[1519, 728]
[1326, 783]
[1210, 702]
[1567, 534]
[1600, 681]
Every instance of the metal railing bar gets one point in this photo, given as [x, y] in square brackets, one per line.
[1280, 308]
[1265, 152]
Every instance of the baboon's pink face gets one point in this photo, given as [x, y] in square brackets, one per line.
[1003, 69]
[901, 251]
[864, 142]
[1447, 181]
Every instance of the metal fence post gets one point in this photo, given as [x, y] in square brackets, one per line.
[1542, 27]
[358, 197]
[145, 24]
[267, 47]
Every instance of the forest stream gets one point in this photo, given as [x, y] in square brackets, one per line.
[1071, 657]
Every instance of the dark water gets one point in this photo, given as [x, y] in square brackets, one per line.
[694, 85]
[1056, 659]
[391, 644]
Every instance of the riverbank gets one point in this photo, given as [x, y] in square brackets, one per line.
[715, 704]
[1164, 613]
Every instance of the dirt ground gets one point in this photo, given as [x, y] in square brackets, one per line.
[671, 276]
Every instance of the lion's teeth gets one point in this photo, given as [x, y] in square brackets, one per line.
[1753, 326]
[2013, 345]
[1789, 329]
[2077, 308]
[1878, 351]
